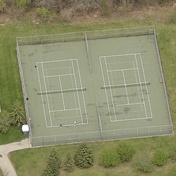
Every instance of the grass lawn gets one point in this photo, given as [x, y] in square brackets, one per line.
[36, 158]
[32, 161]
[12, 135]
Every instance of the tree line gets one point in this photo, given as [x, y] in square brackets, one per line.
[77, 6]
[108, 158]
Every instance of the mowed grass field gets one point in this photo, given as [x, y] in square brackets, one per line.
[32, 161]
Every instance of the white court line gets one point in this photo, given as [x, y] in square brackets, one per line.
[46, 94]
[131, 119]
[75, 98]
[54, 61]
[131, 104]
[105, 85]
[58, 68]
[113, 90]
[127, 62]
[69, 125]
[82, 91]
[110, 88]
[77, 92]
[41, 96]
[122, 69]
[141, 87]
[139, 95]
[58, 75]
[70, 117]
[130, 54]
[126, 90]
[123, 85]
[62, 93]
[50, 99]
[59, 110]
[146, 86]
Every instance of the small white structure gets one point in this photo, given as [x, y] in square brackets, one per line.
[25, 129]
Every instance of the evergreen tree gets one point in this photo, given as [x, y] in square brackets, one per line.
[53, 165]
[84, 157]
[18, 114]
[69, 164]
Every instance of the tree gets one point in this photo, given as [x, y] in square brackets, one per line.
[5, 121]
[84, 157]
[53, 165]
[17, 114]
[69, 163]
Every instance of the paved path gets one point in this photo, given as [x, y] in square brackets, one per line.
[5, 163]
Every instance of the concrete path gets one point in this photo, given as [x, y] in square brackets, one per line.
[5, 163]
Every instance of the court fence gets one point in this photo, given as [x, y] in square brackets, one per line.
[118, 134]
[24, 91]
[90, 35]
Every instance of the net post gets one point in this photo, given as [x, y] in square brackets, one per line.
[87, 51]
[99, 120]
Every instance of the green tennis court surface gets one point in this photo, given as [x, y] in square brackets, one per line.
[90, 86]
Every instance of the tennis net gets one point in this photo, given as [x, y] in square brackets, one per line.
[125, 85]
[87, 51]
[61, 91]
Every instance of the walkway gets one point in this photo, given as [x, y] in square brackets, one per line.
[5, 163]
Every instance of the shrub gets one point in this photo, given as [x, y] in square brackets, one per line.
[144, 164]
[23, 3]
[43, 12]
[69, 163]
[125, 152]
[83, 157]
[109, 158]
[160, 157]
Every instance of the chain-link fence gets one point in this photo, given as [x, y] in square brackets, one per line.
[91, 35]
[24, 91]
[149, 131]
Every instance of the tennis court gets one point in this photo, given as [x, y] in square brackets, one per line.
[95, 85]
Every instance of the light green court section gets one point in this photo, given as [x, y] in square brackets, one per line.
[90, 86]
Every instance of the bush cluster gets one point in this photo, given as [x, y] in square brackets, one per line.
[109, 157]
[83, 158]
[123, 153]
